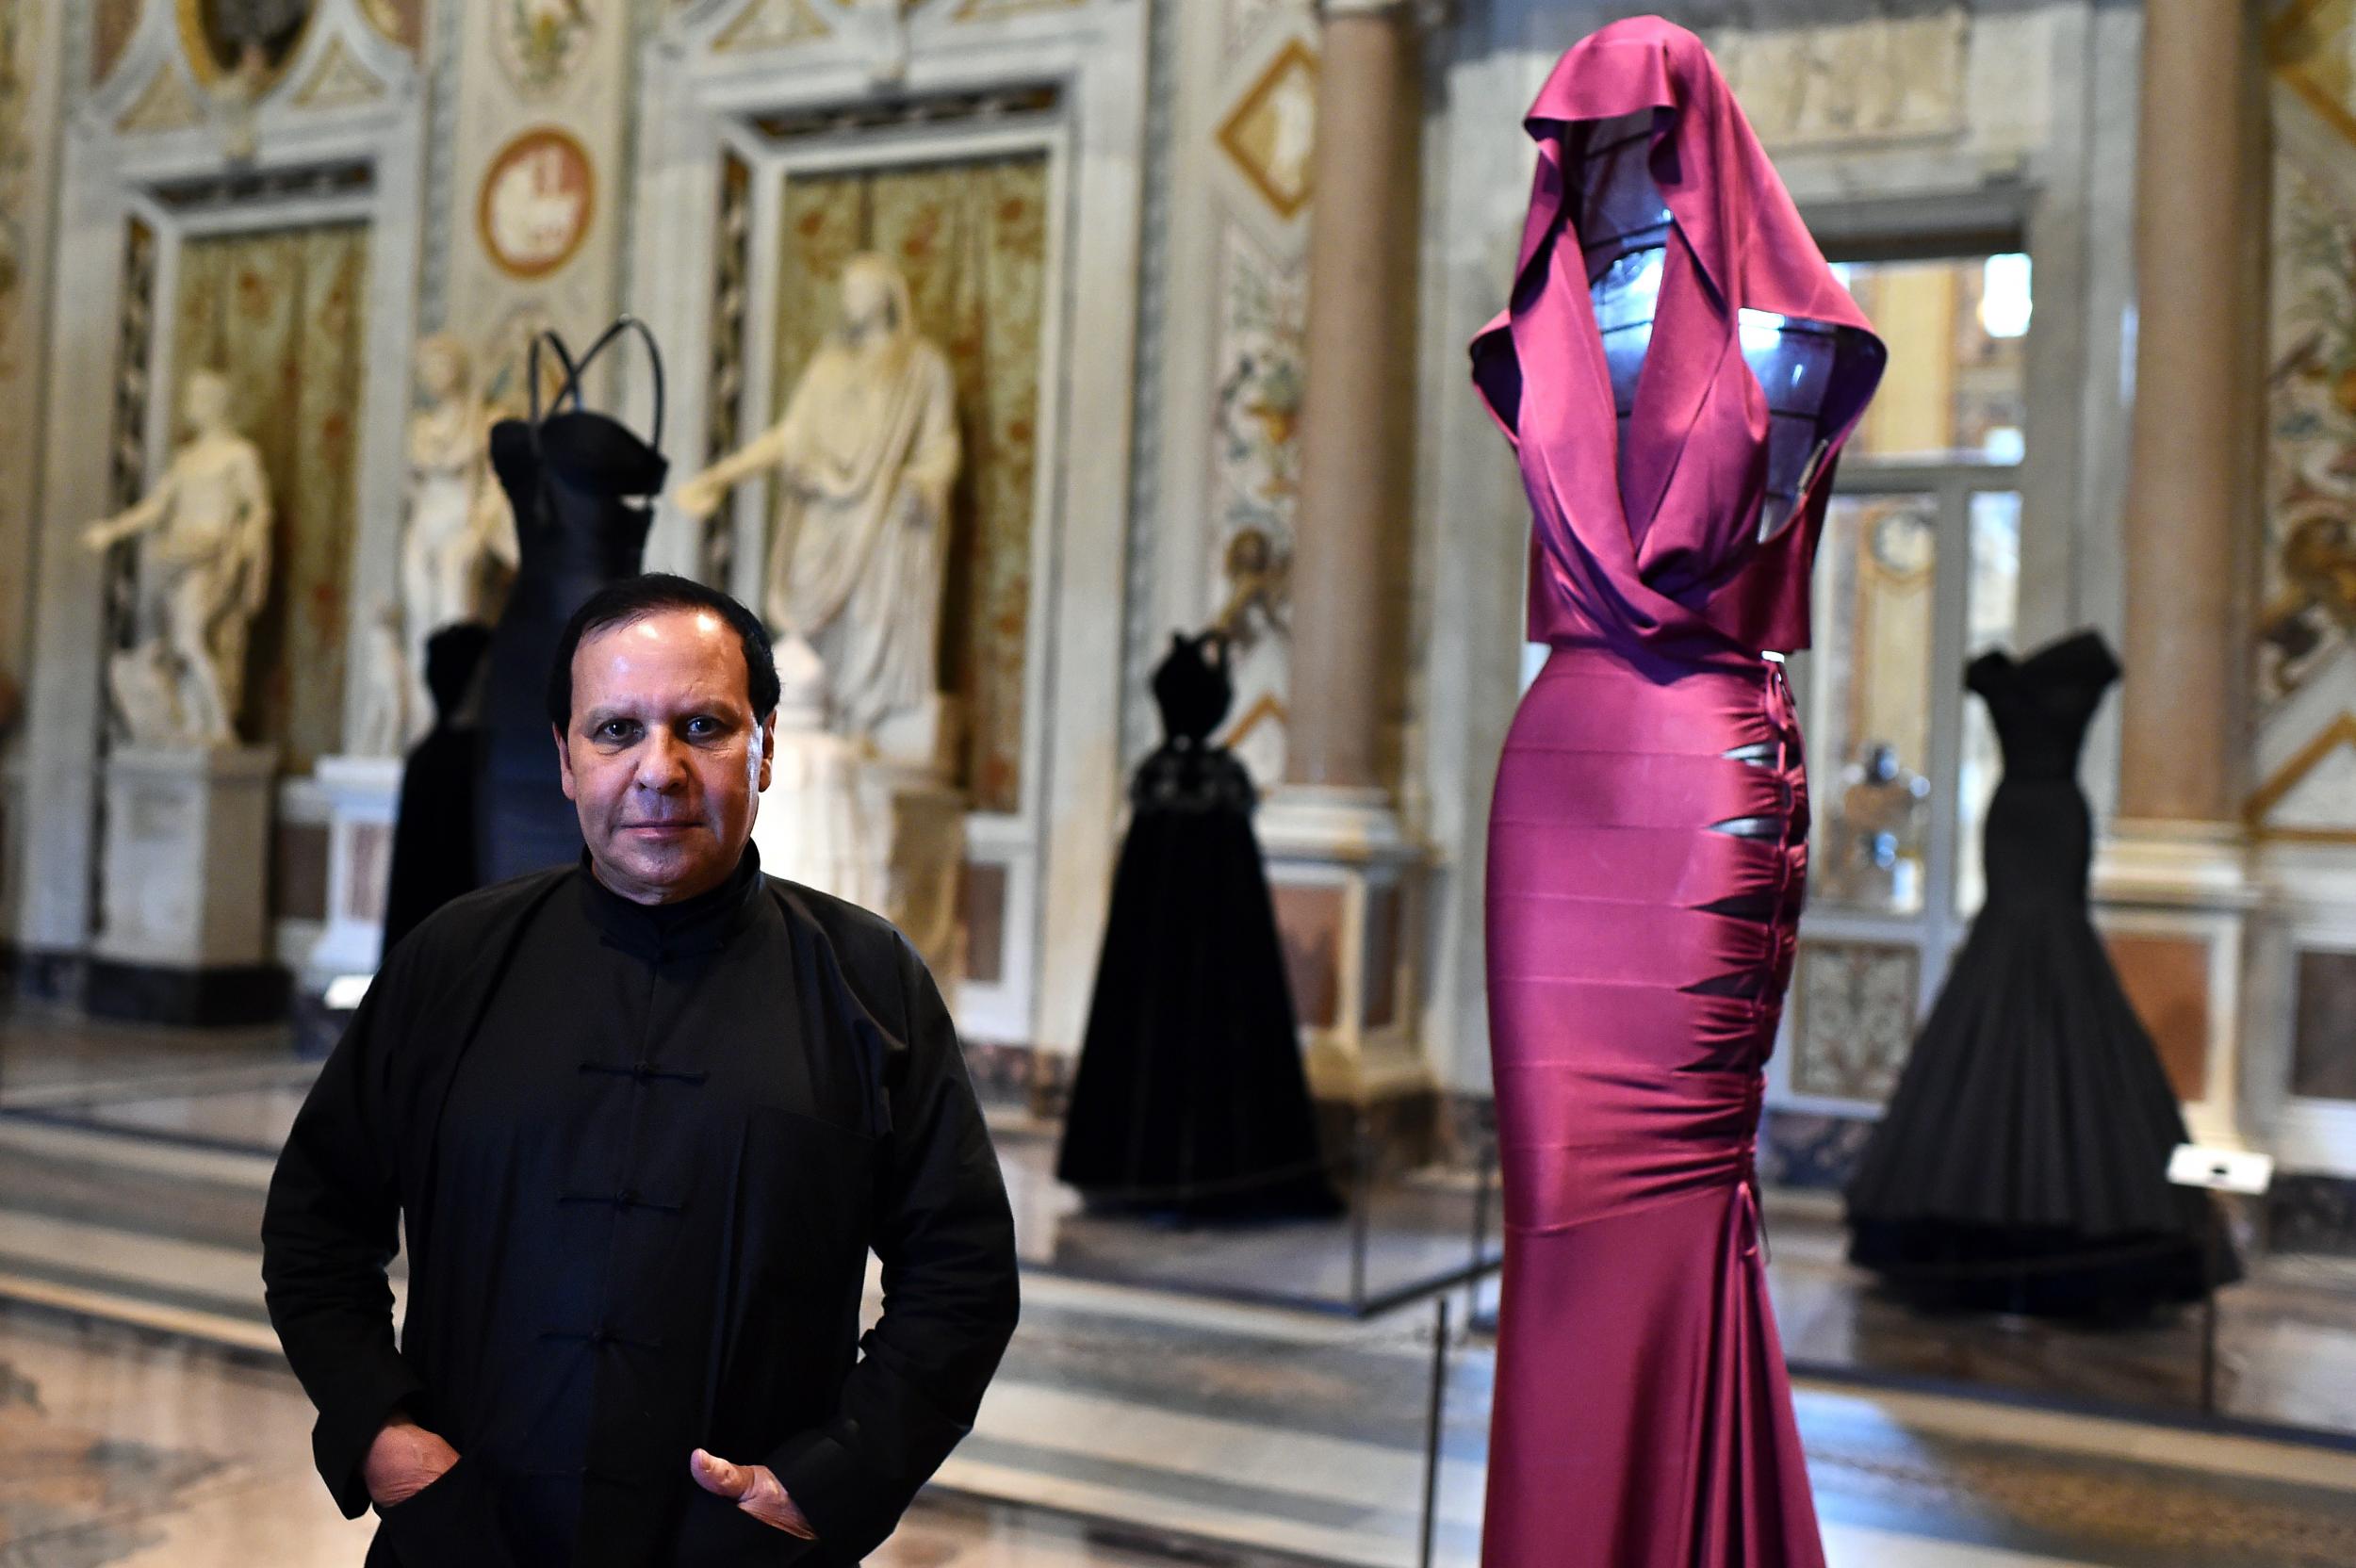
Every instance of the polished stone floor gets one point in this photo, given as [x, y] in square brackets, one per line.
[123, 1450]
[1129, 1430]
[1419, 1234]
[1131, 1423]
[168, 1140]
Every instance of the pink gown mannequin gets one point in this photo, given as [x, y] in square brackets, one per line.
[1677, 370]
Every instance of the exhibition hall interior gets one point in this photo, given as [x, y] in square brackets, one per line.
[1611, 751]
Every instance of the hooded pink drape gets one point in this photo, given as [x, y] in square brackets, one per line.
[1647, 846]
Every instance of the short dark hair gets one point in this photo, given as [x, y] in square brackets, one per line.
[634, 598]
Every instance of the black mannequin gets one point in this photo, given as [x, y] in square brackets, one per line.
[581, 485]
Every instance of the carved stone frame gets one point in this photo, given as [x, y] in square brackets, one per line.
[700, 99]
[349, 99]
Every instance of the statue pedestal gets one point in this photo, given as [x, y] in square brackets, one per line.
[915, 846]
[812, 827]
[1348, 886]
[362, 797]
[184, 933]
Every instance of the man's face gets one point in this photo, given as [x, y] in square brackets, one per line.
[663, 759]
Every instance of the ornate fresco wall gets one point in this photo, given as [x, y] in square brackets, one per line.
[1265, 83]
[506, 190]
[279, 314]
[1238, 124]
[537, 190]
[1268, 81]
[31, 49]
[2302, 808]
[31, 46]
[239, 190]
[2306, 623]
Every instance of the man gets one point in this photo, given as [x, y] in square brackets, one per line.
[642, 1120]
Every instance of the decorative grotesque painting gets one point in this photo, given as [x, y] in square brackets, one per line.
[2311, 567]
[403, 21]
[14, 157]
[540, 41]
[246, 41]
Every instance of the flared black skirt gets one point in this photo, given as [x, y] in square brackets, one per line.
[2022, 1163]
[1189, 1095]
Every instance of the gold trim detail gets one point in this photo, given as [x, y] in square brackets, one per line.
[165, 103]
[401, 25]
[2339, 732]
[340, 82]
[998, 10]
[1234, 133]
[2292, 68]
[771, 25]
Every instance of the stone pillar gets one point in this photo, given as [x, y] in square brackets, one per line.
[2188, 492]
[2174, 879]
[1360, 353]
[1346, 884]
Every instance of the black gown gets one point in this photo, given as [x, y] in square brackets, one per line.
[434, 848]
[2023, 1161]
[581, 484]
[1189, 1095]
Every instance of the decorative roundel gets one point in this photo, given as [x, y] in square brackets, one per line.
[537, 200]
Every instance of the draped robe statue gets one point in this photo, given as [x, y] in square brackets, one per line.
[458, 527]
[865, 457]
[204, 573]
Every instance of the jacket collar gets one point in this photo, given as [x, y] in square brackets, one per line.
[703, 923]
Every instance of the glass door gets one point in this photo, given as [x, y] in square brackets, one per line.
[1917, 574]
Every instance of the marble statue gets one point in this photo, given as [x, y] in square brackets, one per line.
[812, 825]
[865, 457]
[458, 527]
[205, 567]
[388, 716]
[1259, 584]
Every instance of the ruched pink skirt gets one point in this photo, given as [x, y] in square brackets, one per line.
[1647, 856]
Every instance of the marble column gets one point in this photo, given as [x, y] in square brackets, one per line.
[2174, 876]
[1354, 462]
[1346, 875]
[2187, 509]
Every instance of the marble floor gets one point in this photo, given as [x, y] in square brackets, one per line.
[175, 1154]
[1130, 1427]
[1420, 1232]
[144, 1417]
[54, 1057]
[123, 1450]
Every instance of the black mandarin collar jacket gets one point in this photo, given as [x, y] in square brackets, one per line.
[886, 1151]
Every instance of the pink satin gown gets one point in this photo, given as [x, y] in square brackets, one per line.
[1677, 370]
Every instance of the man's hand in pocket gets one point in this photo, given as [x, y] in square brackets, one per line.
[405, 1460]
[754, 1488]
